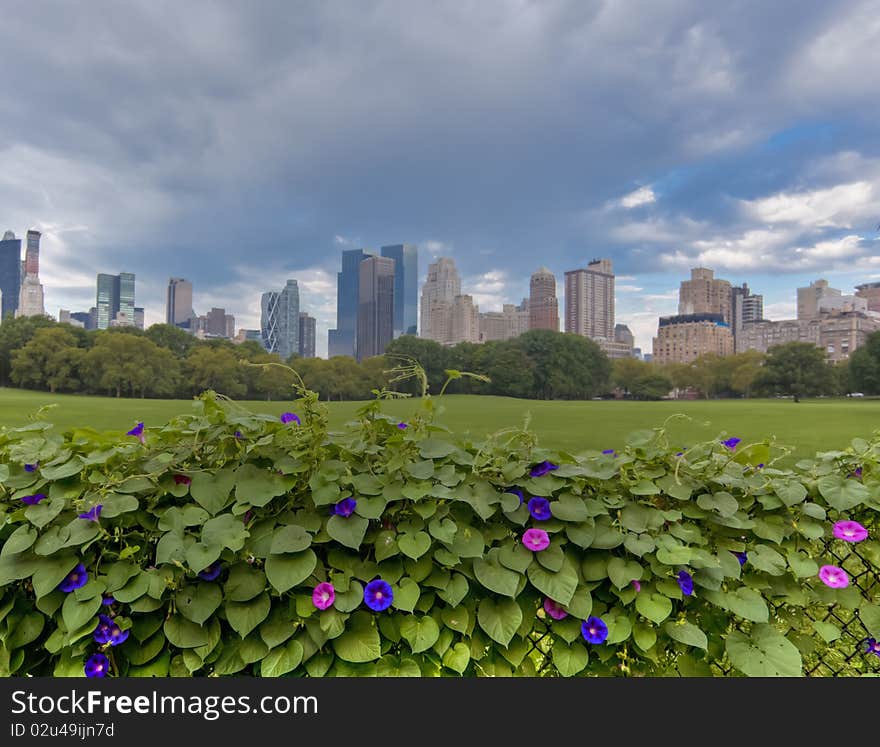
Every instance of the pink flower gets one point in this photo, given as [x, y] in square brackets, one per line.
[323, 595]
[832, 576]
[636, 585]
[554, 609]
[850, 531]
[536, 539]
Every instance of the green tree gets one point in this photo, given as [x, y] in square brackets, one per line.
[864, 367]
[430, 355]
[50, 360]
[272, 382]
[745, 368]
[175, 339]
[652, 385]
[798, 369]
[131, 364]
[508, 367]
[215, 367]
[15, 333]
[565, 366]
[625, 372]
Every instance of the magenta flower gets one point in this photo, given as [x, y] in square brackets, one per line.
[850, 531]
[543, 468]
[97, 665]
[685, 583]
[182, 480]
[832, 576]
[536, 539]
[731, 443]
[76, 579]
[636, 585]
[290, 417]
[378, 595]
[32, 467]
[554, 609]
[137, 432]
[345, 507]
[594, 630]
[539, 508]
[323, 595]
[92, 514]
[872, 646]
[33, 500]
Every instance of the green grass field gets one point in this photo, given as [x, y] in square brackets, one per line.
[808, 426]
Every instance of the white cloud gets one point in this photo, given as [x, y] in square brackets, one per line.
[436, 248]
[780, 310]
[641, 196]
[488, 289]
[838, 207]
[628, 288]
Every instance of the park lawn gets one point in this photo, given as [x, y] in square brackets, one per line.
[807, 426]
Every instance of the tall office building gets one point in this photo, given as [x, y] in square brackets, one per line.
[217, 323]
[589, 301]
[179, 303]
[139, 317]
[287, 310]
[465, 326]
[269, 320]
[30, 296]
[543, 306]
[443, 284]
[375, 319]
[406, 287]
[115, 300]
[705, 294]
[745, 307]
[10, 275]
[306, 335]
[343, 339]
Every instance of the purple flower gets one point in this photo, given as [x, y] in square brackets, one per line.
[290, 417]
[832, 576]
[636, 585]
[517, 492]
[543, 468]
[402, 426]
[33, 500]
[740, 556]
[685, 583]
[102, 631]
[182, 480]
[108, 600]
[594, 630]
[679, 453]
[539, 508]
[760, 465]
[323, 595]
[872, 646]
[345, 507]
[536, 539]
[92, 514]
[247, 516]
[32, 467]
[554, 609]
[212, 571]
[238, 434]
[378, 595]
[97, 665]
[731, 443]
[137, 432]
[76, 579]
[857, 473]
[850, 531]
[117, 635]
[607, 451]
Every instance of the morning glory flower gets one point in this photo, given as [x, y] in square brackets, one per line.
[378, 595]
[594, 630]
[137, 432]
[517, 492]
[76, 579]
[607, 451]
[108, 600]
[543, 468]
[402, 426]
[850, 531]
[238, 434]
[872, 646]
[92, 514]
[679, 453]
[554, 609]
[102, 631]
[290, 417]
[539, 508]
[536, 539]
[636, 585]
[117, 635]
[33, 500]
[323, 595]
[31, 467]
[740, 556]
[182, 480]
[97, 665]
[212, 571]
[857, 473]
[345, 507]
[685, 583]
[832, 576]
[731, 443]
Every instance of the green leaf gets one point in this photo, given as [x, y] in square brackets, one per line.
[19, 541]
[350, 600]
[559, 586]
[244, 582]
[516, 557]
[644, 635]
[435, 448]
[569, 659]
[656, 607]
[790, 493]
[282, 660]
[28, 628]
[414, 545]
[497, 578]
[870, 617]
[457, 658]
[59, 472]
[468, 542]
[423, 470]
[842, 493]
[184, 633]
[623, 572]
[245, 616]
[199, 602]
[116, 504]
[385, 545]
[443, 529]
[569, 507]
[639, 544]
[455, 590]
[500, 620]
[348, 530]
[224, 531]
[686, 633]
[766, 559]
[360, 643]
[212, 491]
[829, 632]
[748, 604]
[724, 503]
[392, 666]
[199, 556]
[291, 538]
[406, 595]
[277, 629]
[763, 653]
[458, 619]
[43, 512]
[256, 486]
[286, 571]
[802, 565]
[582, 534]
[420, 632]
[50, 572]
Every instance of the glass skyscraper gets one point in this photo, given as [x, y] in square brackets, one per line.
[10, 274]
[279, 320]
[115, 294]
[406, 287]
[343, 339]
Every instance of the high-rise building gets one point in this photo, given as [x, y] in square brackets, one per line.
[543, 305]
[307, 335]
[510, 322]
[809, 298]
[30, 295]
[179, 303]
[32, 254]
[343, 339]
[287, 311]
[406, 287]
[745, 307]
[115, 300]
[10, 275]
[685, 337]
[139, 317]
[65, 317]
[375, 319]
[589, 301]
[623, 335]
[84, 318]
[871, 293]
[441, 287]
[705, 294]
[269, 320]
[465, 320]
[216, 323]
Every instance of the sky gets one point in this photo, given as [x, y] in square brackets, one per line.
[240, 144]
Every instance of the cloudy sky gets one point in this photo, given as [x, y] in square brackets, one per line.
[237, 144]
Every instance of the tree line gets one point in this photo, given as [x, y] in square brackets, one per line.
[167, 362]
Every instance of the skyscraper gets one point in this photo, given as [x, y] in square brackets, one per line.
[589, 301]
[375, 319]
[269, 320]
[179, 303]
[115, 300]
[438, 293]
[30, 296]
[406, 287]
[288, 320]
[106, 303]
[543, 305]
[745, 307]
[216, 323]
[343, 339]
[704, 294]
[306, 335]
[32, 254]
[10, 274]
